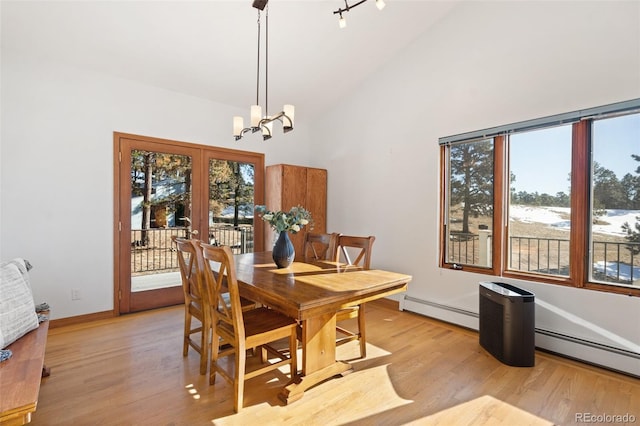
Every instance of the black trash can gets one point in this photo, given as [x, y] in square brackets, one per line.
[507, 323]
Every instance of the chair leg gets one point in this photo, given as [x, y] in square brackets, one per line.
[238, 382]
[187, 331]
[215, 350]
[204, 347]
[361, 331]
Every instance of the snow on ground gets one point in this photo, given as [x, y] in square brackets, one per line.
[557, 217]
[608, 224]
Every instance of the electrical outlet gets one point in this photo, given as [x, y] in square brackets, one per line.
[75, 294]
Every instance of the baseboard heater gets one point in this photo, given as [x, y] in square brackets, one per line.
[595, 353]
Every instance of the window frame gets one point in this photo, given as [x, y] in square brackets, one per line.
[580, 203]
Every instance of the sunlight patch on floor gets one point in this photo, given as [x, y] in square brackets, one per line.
[350, 397]
[485, 410]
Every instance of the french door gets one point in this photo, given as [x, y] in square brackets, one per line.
[167, 188]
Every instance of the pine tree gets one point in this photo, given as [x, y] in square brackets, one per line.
[472, 179]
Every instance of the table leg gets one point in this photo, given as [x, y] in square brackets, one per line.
[318, 357]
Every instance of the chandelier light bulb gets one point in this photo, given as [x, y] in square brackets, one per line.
[380, 4]
[256, 115]
[238, 125]
[289, 111]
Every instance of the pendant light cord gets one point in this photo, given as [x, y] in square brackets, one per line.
[258, 65]
[266, 64]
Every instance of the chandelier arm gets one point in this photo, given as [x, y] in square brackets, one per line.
[347, 7]
[246, 130]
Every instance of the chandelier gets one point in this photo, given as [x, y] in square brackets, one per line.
[259, 121]
[380, 4]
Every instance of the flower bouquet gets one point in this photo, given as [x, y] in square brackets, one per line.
[292, 221]
[284, 222]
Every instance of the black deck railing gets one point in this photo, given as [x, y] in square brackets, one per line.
[152, 250]
[542, 255]
[614, 262]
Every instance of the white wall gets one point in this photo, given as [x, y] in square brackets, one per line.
[57, 168]
[485, 64]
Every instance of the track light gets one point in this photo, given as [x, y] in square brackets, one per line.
[380, 4]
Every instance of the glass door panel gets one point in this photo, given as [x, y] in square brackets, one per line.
[155, 202]
[231, 204]
[160, 209]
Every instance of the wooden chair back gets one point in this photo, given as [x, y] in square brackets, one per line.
[191, 274]
[226, 311]
[357, 248]
[196, 298]
[318, 246]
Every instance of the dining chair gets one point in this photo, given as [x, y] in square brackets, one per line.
[359, 249]
[319, 246]
[243, 330]
[195, 299]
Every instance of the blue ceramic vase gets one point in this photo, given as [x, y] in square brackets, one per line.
[283, 251]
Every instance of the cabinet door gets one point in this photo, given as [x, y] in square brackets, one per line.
[316, 198]
[288, 186]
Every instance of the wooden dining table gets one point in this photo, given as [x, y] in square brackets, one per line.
[313, 293]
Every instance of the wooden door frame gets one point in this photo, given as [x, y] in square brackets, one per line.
[122, 272]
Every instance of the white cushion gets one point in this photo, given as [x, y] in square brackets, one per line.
[17, 308]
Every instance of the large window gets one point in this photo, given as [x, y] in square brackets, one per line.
[470, 207]
[615, 201]
[553, 200]
[539, 209]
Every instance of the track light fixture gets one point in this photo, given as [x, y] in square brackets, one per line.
[380, 4]
[258, 120]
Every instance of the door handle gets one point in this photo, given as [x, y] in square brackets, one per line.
[194, 232]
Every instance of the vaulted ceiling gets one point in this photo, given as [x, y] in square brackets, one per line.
[208, 49]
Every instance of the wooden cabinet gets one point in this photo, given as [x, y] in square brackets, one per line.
[288, 186]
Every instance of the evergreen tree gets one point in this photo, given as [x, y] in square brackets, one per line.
[608, 192]
[472, 179]
[230, 184]
[633, 232]
[633, 236]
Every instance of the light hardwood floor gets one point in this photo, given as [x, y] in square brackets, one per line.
[130, 371]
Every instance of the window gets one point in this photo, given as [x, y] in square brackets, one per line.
[470, 207]
[553, 200]
[539, 206]
[615, 201]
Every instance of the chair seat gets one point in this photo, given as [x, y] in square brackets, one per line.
[260, 321]
[263, 320]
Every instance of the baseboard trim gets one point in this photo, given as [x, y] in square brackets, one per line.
[81, 319]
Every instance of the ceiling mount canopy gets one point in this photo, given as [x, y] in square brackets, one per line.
[260, 121]
[380, 4]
